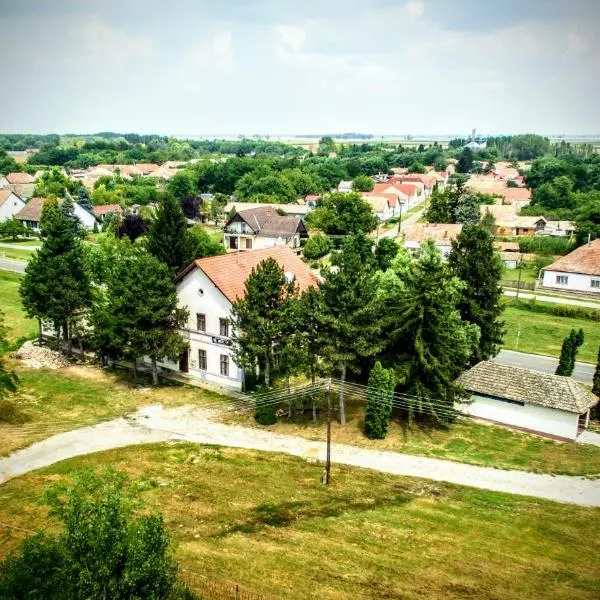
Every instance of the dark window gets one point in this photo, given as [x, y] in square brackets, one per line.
[224, 364]
[200, 322]
[248, 243]
[202, 360]
[223, 328]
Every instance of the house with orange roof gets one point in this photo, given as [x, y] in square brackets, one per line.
[442, 235]
[21, 184]
[207, 288]
[578, 271]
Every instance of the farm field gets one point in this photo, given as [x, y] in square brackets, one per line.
[266, 522]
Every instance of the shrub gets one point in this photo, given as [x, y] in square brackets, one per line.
[265, 413]
[559, 310]
[317, 246]
[379, 402]
[546, 245]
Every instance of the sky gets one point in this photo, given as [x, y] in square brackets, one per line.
[245, 67]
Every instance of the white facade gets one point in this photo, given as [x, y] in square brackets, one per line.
[576, 282]
[10, 207]
[532, 417]
[199, 295]
[238, 235]
[86, 218]
[414, 246]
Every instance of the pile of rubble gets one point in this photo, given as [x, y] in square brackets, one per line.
[39, 357]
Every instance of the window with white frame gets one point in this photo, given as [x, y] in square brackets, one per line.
[224, 365]
[562, 279]
[223, 327]
[200, 322]
[202, 360]
[595, 284]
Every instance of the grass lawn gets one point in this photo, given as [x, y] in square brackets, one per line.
[16, 253]
[464, 441]
[52, 401]
[22, 242]
[513, 274]
[10, 302]
[543, 333]
[266, 522]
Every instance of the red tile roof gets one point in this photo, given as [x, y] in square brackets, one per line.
[515, 194]
[585, 260]
[229, 272]
[19, 178]
[32, 211]
[105, 209]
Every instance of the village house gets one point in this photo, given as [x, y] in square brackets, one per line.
[207, 288]
[101, 211]
[441, 233]
[382, 206]
[31, 214]
[294, 210]
[406, 194]
[10, 205]
[578, 271]
[509, 223]
[530, 400]
[21, 184]
[345, 187]
[264, 227]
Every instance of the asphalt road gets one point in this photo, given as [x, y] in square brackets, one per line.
[584, 372]
[8, 264]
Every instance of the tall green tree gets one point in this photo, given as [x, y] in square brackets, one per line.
[343, 214]
[56, 286]
[385, 252]
[596, 380]
[168, 238]
[106, 549]
[566, 351]
[139, 316]
[362, 183]
[428, 343]
[259, 318]
[378, 410]
[351, 316]
[474, 260]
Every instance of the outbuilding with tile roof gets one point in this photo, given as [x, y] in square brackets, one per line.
[578, 271]
[540, 402]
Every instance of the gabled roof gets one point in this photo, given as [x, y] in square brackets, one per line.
[229, 272]
[585, 260]
[32, 211]
[19, 178]
[265, 221]
[531, 387]
[6, 194]
[515, 194]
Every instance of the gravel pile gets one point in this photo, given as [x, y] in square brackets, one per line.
[39, 357]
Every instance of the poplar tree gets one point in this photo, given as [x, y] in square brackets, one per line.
[378, 410]
[351, 319]
[596, 380]
[566, 352]
[168, 238]
[474, 260]
[429, 344]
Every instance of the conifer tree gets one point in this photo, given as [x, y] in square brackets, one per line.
[428, 343]
[578, 339]
[566, 352]
[474, 260]
[379, 402]
[351, 318]
[168, 238]
[596, 380]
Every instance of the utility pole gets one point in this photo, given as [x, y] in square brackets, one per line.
[400, 219]
[519, 280]
[327, 474]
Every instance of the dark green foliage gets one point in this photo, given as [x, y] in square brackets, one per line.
[132, 226]
[203, 244]
[181, 186]
[385, 251]
[596, 380]
[559, 310]
[474, 260]
[548, 245]
[343, 214]
[568, 352]
[465, 161]
[427, 342]
[168, 238]
[379, 402]
[8, 379]
[316, 246]
[14, 229]
[265, 413]
[104, 551]
[454, 204]
[362, 183]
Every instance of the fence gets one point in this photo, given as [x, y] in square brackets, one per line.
[514, 283]
[205, 589]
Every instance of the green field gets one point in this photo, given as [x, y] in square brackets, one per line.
[10, 302]
[22, 242]
[540, 333]
[16, 253]
[266, 522]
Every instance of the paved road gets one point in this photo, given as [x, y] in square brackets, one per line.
[393, 232]
[8, 264]
[583, 372]
[155, 423]
[555, 299]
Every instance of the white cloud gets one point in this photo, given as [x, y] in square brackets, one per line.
[215, 53]
[413, 10]
[290, 38]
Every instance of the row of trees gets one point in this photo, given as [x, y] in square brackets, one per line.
[425, 319]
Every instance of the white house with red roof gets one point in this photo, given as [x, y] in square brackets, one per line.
[578, 271]
[207, 288]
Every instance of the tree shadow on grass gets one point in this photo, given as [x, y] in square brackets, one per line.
[287, 514]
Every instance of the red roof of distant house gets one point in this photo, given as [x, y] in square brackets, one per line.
[515, 194]
[584, 260]
[105, 209]
[311, 198]
[229, 272]
[406, 188]
[19, 178]
[146, 167]
[391, 198]
[427, 180]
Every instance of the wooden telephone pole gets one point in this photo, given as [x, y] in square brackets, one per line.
[327, 474]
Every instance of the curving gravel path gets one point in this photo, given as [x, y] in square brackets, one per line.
[155, 423]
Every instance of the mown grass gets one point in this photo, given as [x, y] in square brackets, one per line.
[265, 521]
[52, 401]
[464, 441]
[22, 242]
[16, 253]
[544, 334]
[16, 321]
